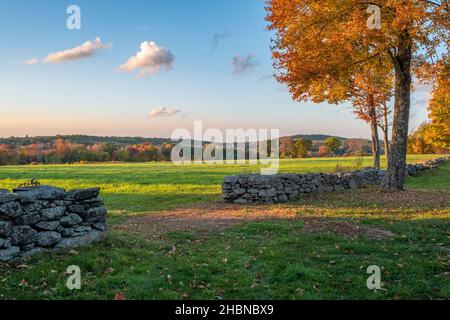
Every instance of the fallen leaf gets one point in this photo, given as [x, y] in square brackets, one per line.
[109, 270]
[120, 296]
[23, 283]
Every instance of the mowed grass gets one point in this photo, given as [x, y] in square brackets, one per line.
[437, 179]
[149, 187]
[254, 260]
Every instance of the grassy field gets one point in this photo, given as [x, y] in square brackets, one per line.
[149, 187]
[321, 251]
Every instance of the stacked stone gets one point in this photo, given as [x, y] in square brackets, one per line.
[255, 188]
[414, 169]
[365, 177]
[36, 219]
[281, 187]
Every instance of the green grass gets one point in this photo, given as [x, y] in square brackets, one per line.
[148, 187]
[437, 179]
[254, 260]
[257, 260]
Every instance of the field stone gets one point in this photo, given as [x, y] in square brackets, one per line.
[22, 235]
[51, 214]
[91, 221]
[47, 225]
[67, 232]
[27, 247]
[34, 251]
[35, 206]
[82, 229]
[5, 229]
[5, 243]
[62, 203]
[10, 210]
[93, 213]
[256, 188]
[100, 226]
[30, 194]
[28, 219]
[35, 219]
[76, 208]
[8, 197]
[82, 194]
[9, 253]
[47, 238]
[91, 203]
[70, 220]
[90, 237]
[352, 184]
[283, 198]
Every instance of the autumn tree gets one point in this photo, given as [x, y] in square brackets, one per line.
[438, 131]
[322, 151]
[319, 45]
[370, 90]
[383, 124]
[333, 144]
[300, 148]
[285, 147]
[417, 143]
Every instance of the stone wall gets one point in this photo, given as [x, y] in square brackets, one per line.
[36, 219]
[256, 188]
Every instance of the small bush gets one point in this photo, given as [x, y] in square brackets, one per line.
[359, 162]
[30, 183]
[340, 168]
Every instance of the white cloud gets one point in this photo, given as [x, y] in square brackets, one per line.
[421, 94]
[149, 60]
[163, 112]
[31, 61]
[85, 50]
[242, 65]
[219, 37]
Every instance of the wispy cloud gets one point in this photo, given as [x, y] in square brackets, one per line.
[85, 50]
[163, 112]
[421, 95]
[219, 37]
[243, 65]
[31, 62]
[149, 60]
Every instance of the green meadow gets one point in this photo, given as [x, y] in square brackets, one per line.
[276, 259]
[149, 187]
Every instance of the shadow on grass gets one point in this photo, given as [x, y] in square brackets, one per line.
[257, 260]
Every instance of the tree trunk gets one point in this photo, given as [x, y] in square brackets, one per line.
[395, 175]
[385, 128]
[386, 139]
[375, 138]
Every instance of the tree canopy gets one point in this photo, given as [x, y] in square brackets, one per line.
[438, 131]
[322, 48]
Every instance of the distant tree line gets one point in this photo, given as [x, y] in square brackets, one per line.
[56, 150]
[64, 151]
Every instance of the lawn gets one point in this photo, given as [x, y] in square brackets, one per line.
[321, 252]
[149, 187]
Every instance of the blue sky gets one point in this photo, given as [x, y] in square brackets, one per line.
[92, 96]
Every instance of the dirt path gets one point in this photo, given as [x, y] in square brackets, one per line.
[216, 216]
[211, 216]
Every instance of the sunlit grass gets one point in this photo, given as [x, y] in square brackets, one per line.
[253, 260]
[147, 187]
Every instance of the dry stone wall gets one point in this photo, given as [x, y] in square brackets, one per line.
[36, 219]
[256, 188]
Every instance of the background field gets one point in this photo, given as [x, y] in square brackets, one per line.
[279, 258]
[149, 187]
